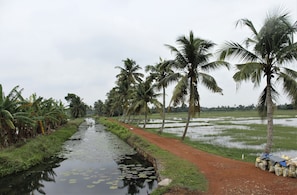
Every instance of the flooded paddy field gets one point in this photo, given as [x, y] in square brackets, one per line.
[235, 132]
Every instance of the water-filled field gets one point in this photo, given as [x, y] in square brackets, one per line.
[235, 132]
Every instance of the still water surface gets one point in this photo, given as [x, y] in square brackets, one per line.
[94, 161]
[209, 130]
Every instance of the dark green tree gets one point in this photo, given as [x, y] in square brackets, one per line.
[77, 107]
[99, 107]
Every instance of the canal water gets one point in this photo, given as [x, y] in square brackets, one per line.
[93, 161]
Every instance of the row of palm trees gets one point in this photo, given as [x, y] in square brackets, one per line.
[266, 54]
[22, 118]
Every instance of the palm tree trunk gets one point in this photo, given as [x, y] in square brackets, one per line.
[191, 106]
[187, 124]
[163, 112]
[145, 116]
[269, 117]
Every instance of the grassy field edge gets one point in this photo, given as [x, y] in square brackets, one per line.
[36, 150]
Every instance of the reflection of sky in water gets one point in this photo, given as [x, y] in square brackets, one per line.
[90, 167]
[96, 145]
[205, 129]
[284, 121]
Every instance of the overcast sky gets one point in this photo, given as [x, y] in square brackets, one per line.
[55, 47]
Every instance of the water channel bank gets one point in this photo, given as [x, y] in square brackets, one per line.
[34, 151]
[183, 174]
[93, 161]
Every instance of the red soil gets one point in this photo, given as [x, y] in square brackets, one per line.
[225, 176]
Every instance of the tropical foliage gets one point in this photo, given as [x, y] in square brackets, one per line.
[163, 75]
[22, 118]
[266, 55]
[127, 80]
[99, 108]
[76, 105]
[192, 59]
[142, 97]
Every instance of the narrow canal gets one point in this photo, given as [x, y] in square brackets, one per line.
[93, 161]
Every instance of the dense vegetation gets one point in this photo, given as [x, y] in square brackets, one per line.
[35, 150]
[22, 119]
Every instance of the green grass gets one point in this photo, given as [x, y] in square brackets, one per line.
[183, 173]
[284, 139]
[35, 150]
[235, 113]
[254, 134]
[284, 136]
[233, 153]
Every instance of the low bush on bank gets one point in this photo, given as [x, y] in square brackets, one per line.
[183, 173]
[19, 158]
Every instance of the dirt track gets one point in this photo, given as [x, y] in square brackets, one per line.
[225, 176]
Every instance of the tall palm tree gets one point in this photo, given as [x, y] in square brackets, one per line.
[127, 80]
[129, 72]
[163, 75]
[193, 58]
[266, 53]
[142, 97]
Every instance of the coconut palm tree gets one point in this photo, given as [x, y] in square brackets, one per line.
[77, 106]
[163, 75]
[142, 97]
[127, 80]
[265, 55]
[192, 58]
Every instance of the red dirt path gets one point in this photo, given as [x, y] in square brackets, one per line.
[225, 176]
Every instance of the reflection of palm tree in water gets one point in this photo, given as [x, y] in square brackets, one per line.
[133, 185]
[31, 180]
[131, 170]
